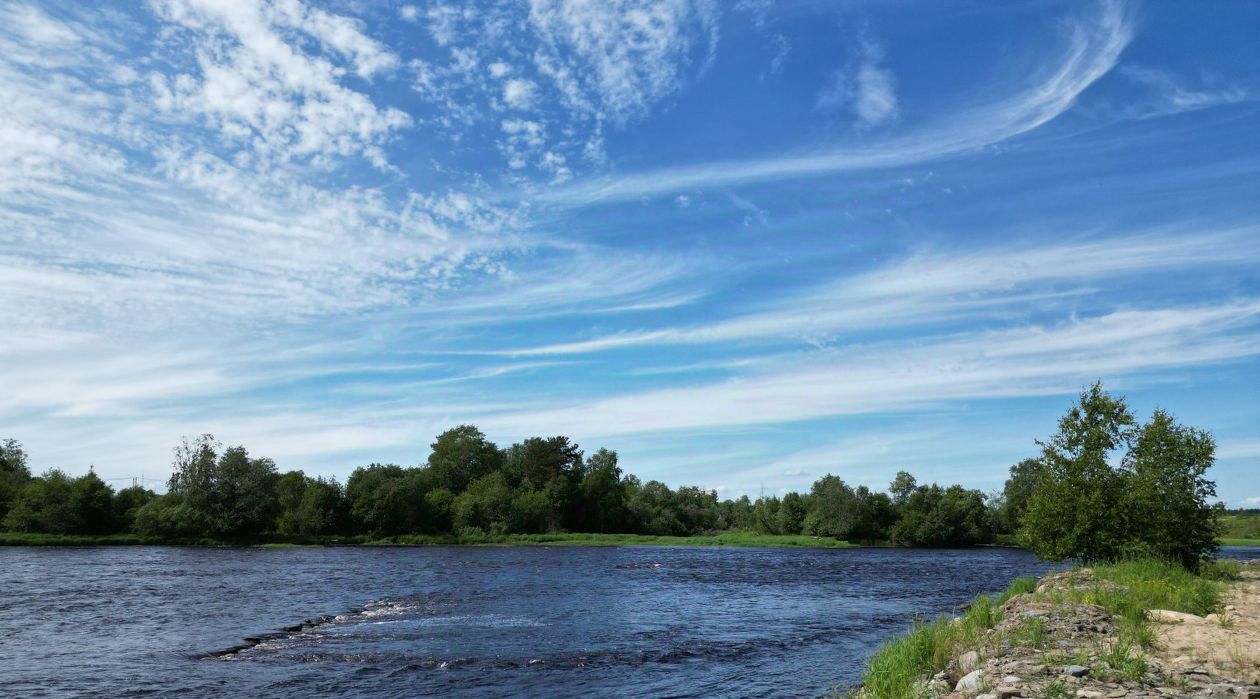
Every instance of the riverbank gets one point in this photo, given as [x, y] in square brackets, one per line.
[744, 539]
[1127, 630]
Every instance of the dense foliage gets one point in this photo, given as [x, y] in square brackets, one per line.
[470, 486]
[1071, 502]
[1154, 501]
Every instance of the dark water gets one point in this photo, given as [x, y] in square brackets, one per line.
[541, 622]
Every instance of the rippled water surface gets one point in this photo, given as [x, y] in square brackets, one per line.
[545, 622]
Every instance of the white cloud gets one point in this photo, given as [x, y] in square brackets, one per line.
[1172, 94]
[616, 58]
[868, 90]
[1238, 449]
[1251, 502]
[518, 94]
[935, 288]
[884, 377]
[1093, 47]
[266, 95]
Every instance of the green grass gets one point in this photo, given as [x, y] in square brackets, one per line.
[898, 666]
[1240, 542]
[282, 541]
[1127, 590]
[1241, 526]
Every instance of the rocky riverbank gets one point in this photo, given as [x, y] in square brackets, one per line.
[1053, 643]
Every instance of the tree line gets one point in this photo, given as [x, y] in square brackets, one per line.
[1071, 501]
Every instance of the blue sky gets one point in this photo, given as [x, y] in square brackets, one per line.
[744, 244]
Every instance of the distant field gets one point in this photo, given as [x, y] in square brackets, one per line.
[724, 539]
[1241, 528]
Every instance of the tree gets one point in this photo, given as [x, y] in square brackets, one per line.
[934, 516]
[487, 506]
[835, 508]
[55, 503]
[231, 495]
[902, 486]
[93, 503]
[15, 473]
[460, 456]
[1015, 494]
[601, 502]
[387, 500]
[790, 519]
[45, 505]
[1077, 508]
[127, 504]
[874, 514]
[309, 506]
[1169, 492]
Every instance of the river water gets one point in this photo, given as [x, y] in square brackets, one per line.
[467, 622]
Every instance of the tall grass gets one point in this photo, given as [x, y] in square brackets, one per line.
[898, 666]
[1126, 590]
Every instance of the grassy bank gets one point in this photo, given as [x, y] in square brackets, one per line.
[1126, 590]
[1240, 542]
[576, 539]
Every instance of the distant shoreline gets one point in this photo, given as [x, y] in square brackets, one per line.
[725, 539]
[736, 539]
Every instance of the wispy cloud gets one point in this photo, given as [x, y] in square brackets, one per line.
[1023, 361]
[944, 287]
[867, 89]
[1092, 48]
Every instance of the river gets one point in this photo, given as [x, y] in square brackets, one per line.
[467, 622]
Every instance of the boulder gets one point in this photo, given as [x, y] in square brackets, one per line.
[970, 682]
[1076, 670]
[1167, 616]
[967, 662]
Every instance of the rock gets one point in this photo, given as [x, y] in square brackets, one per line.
[1005, 690]
[1010, 679]
[1166, 616]
[1117, 693]
[1076, 670]
[967, 662]
[970, 682]
[1212, 618]
[1247, 692]
[1088, 693]
[986, 696]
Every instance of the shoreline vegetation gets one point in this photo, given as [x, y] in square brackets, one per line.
[1105, 630]
[1073, 501]
[724, 539]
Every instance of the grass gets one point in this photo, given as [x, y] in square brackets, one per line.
[576, 539]
[1241, 526]
[896, 669]
[1126, 590]
[1228, 541]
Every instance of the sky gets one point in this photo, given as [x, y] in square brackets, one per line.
[744, 244]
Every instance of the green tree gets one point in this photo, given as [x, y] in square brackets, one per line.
[45, 505]
[601, 503]
[834, 508]
[387, 500]
[487, 506]
[935, 517]
[93, 503]
[1169, 492]
[1015, 494]
[790, 519]
[874, 514]
[127, 504]
[1077, 509]
[460, 456]
[902, 486]
[15, 473]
